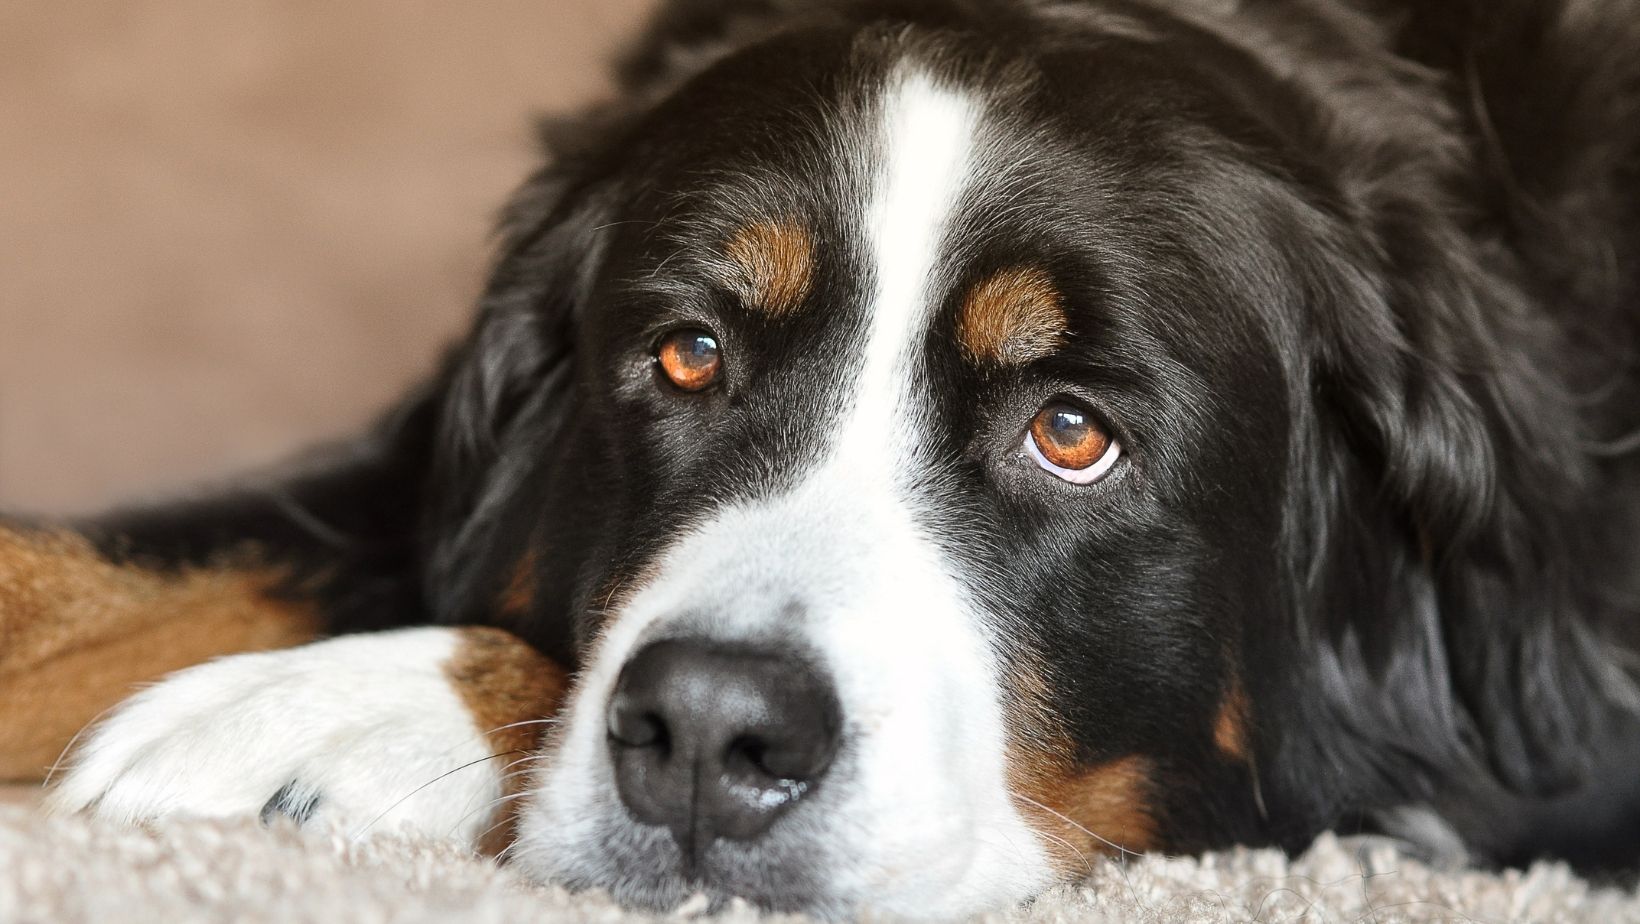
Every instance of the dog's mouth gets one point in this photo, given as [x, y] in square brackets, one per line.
[646, 869]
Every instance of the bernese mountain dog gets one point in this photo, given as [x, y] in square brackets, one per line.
[907, 449]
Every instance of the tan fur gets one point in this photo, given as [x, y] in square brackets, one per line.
[1230, 727]
[1081, 811]
[518, 597]
[505, 682]
[1013, 317]
[773, 265]
[1085, 812]
[78, 633]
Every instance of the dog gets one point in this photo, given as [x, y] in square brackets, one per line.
[908, 449]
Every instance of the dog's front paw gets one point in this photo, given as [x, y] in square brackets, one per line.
[370, 732]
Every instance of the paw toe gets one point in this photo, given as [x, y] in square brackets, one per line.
[294, 801]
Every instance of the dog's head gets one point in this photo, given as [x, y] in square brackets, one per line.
[951, 449]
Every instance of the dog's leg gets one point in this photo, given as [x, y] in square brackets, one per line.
[78, 632]
[417, 729]
[90, 610]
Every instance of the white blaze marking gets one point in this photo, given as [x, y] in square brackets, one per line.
[927, 133]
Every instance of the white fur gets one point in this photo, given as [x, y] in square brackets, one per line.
[367, 723]
[927, 137]
[920, 822]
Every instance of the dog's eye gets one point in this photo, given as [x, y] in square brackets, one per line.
[1070, 443]
[690, 359]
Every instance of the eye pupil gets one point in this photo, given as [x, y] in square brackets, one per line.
[690, 359]
[1068, 423]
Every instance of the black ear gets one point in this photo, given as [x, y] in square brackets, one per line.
[508, 387]
[1449, 467]
[1435, 365]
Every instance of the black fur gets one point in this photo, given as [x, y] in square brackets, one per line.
[1357, 282]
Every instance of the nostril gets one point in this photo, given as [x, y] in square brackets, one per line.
[748, 757]
[794, 760]
[636, 727]
[746, 752]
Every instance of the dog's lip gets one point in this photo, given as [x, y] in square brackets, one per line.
[670, 893]
[652, 876]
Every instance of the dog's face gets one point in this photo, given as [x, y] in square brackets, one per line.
[919, 478]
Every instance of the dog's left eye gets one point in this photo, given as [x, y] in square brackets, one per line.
[690, 359]
[1070, 443]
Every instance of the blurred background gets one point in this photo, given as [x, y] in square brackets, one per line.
[231, 229]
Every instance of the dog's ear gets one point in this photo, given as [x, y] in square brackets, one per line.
[1450, 467]
[1435, 363]
[507, 388]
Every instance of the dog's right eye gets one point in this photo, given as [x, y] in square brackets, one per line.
[690, 359]
[1070, 443]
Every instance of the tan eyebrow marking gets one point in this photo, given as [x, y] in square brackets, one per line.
[1012, 317]
[773, 265]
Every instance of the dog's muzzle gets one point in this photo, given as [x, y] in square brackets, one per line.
[715, 741]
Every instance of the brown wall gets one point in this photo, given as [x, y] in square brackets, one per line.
[230, 228]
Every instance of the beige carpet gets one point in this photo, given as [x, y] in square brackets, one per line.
[71, 870]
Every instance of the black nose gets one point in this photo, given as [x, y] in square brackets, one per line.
[714, 741]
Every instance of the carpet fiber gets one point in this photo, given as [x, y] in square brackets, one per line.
[70, 870]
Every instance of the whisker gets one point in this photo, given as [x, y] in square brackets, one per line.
[504, 819]
[522, 760]
[615, 588]
[1067, 820]
[471, 763]
[506, 778]
[528, 754]
[1087, 862]
[502, 855]
[502, 728]
[493, 803]
[516, 774]
[1122, 855]
[57, 764]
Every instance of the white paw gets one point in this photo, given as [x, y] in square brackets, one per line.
[362, 731]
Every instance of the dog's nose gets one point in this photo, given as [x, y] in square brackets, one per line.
[713, 741]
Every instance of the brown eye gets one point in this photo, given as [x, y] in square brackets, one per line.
[1070, 443]
[690, 359]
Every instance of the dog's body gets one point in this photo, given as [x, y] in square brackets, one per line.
[944, 440]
